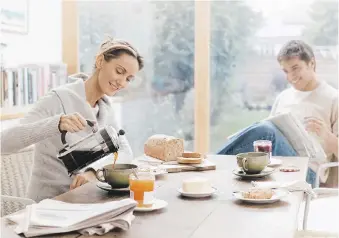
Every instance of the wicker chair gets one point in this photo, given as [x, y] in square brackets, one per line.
[15, 173]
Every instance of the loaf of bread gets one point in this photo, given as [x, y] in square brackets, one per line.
[163, 147]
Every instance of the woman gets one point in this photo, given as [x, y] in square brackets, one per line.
[66, 108]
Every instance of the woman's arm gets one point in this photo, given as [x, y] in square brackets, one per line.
[38, 124]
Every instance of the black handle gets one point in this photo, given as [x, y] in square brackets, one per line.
[63, 133]
[90, 123]
[121, 132]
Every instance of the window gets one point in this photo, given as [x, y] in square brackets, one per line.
[245, 77]
[164, 34]
[245, 38]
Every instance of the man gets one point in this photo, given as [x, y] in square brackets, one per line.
[312, 100]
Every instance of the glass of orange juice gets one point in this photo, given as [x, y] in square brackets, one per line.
[141, 185]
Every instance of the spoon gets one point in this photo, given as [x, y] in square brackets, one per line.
[135, 173]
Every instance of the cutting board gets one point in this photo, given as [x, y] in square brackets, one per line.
[174, 167]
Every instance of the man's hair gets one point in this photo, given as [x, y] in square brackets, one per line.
[296, 48]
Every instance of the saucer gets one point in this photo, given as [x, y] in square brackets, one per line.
[278, 194]
[265, 172]
[197, 195]
[158, 204]
[108, 188]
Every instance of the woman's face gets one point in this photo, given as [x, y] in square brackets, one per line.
[116, 73]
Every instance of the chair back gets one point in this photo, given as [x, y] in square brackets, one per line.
[16, 170]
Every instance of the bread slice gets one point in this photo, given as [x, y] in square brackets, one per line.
[182, 160]
[191, 155]
[257, 193]
[164, 147]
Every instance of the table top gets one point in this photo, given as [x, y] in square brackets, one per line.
[220, 215]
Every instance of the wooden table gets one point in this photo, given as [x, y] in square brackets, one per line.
[218, 216]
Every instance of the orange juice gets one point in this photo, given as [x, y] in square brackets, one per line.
[142, 188]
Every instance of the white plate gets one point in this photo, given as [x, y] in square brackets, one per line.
[274, 162]
[158, 204]
[278, 194]
[197, 195]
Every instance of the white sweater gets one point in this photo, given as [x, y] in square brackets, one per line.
[321, 103]
[40, 127]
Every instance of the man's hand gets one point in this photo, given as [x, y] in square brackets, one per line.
[317, 126]
[81, 179]
[320, 129]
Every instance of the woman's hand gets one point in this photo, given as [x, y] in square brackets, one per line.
[72, 123]
[81, 179]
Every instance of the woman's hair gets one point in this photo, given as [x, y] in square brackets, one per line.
[112, 49]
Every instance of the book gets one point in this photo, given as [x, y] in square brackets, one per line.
[25, 84]
[11, 87]
[16, 98]
[52, 217]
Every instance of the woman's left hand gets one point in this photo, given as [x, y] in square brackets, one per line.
[81, 179]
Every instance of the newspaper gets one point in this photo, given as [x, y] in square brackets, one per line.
[303, 142]
[51, 217]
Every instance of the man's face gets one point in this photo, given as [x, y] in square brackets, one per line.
[299, 73]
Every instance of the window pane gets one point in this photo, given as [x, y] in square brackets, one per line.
[245, 39]
[163, 32]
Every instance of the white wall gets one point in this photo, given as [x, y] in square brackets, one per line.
[43, 43]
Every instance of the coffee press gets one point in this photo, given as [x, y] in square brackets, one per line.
[100, 143]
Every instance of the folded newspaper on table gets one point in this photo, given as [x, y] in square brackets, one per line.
[304, 143]
[51, 217]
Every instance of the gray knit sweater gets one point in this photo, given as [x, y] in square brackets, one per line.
[40, 127]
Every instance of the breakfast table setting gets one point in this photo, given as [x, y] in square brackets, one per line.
[175, 193]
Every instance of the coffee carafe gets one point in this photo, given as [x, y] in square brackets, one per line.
[98, 144]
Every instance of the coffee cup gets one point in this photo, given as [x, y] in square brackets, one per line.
[253, 162]
[117, 177]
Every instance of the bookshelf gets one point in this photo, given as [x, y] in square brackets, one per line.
[13, 113]
[23, 85]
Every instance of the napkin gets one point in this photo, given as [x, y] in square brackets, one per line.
[296, 185]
